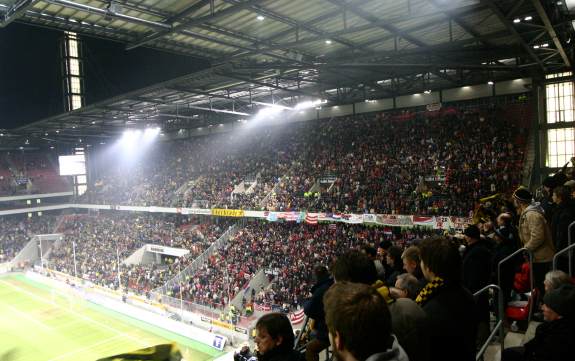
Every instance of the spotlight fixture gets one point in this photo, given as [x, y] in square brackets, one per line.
[328, 42]
[260, 18]
[490, 82]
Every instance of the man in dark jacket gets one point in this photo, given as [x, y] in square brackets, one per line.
[506, 242]
[314, 310]
[563, 216]
[554, 338]
[476, 275]
[449, 306]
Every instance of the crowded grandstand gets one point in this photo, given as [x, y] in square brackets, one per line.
[400, 186]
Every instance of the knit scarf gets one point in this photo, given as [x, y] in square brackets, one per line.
[429, 290]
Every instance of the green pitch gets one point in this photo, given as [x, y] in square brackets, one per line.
[38, 323]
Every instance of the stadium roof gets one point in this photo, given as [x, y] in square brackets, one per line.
[287, 51]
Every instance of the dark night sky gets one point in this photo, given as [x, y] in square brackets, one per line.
[30, 78]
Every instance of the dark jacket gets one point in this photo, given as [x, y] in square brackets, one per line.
[477, 274]
[502, 250]
[314, 308]
[553, 341]
[563, 216]
[452, 324]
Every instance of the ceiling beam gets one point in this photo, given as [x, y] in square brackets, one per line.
[511, 29]
[549, 27]
[189, 23]
[460, 22]
[15, 11]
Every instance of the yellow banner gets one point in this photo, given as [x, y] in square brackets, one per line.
[223, 324]
[227, 212]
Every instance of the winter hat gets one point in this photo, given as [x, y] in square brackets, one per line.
[561, 300]
[523, 195]
[472, 231]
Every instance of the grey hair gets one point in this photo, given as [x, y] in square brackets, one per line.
[556, 278]
[410, 284]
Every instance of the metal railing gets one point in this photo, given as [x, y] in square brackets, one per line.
[298, 338]
[197, 263]
[498, 325]
[569, 249]
[508, 258]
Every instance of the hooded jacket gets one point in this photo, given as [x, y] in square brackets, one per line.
[535, 234]
[395, 353]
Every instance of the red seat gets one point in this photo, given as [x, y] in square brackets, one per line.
[519, 310]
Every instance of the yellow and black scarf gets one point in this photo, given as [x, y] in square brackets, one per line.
[430, 289]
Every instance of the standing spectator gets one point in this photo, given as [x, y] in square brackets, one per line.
[372, 254]
[393, 259]
[553, 339]
[477, 274]
[449, 306]
[563, 216]
[407, 319]
[314, 309]
[275, 338]
[359, 324]
[412, 264]
[406, 286]
[505, 245]
[535, 235]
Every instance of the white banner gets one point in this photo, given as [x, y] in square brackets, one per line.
[170, 251]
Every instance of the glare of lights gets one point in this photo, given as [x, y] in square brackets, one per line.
[516, 20]
[1, 134]
[427, 91]
[46, 134]
[535, 46]
[328, 42]
[490, 82]
[57, 131]
[310, 104]
[51, 147]
[21, 148]
[220, 125]
[102, 143]
[260, 18]
[544, 45]
[528, 18]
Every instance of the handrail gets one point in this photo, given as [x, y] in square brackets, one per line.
[298, 338]
[566, 249]
[569, 243]
[499, 325]
[512, 255]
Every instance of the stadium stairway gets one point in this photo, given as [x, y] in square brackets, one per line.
[512, 339]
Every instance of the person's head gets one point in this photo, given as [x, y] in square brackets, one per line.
[370, 252]
[571, 185]
[411, 260]
[320, 273]
[559, 303]
[274, 331]
[358, 321]
[384, 246]
[504, 220]
[561, 194]
[406, 286]
[522, 198]
[393, 257]
[555, 279]
[354, 266]
[440, 258]
[471, 234]
[487, 227]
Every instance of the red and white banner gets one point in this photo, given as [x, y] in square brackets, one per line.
[264, 308]
[311, 218]
[297, 317]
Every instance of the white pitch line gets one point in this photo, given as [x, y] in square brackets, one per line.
[82, 349]
[89, 319]
[30, 318]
